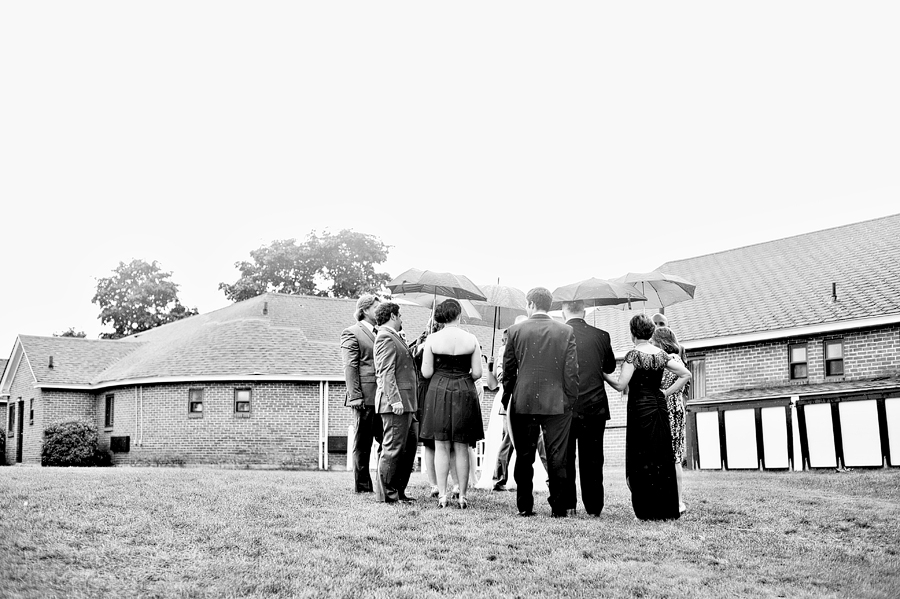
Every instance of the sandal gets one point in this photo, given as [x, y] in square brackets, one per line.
[463, 502]
[442, 501]
[435, 492]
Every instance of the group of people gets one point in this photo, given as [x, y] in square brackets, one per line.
[552, 377]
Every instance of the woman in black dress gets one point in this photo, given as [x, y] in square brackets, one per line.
[451, 414]
[649, 461]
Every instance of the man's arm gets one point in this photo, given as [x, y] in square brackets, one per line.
[510, 369]
[571, 381]
[609, 358]
[350, 357]
[385, 370]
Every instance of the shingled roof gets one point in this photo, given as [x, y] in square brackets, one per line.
[272, 335]
[783, 284]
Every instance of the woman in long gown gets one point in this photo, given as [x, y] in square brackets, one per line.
[649, 461]
[664, 338]
[451, 414]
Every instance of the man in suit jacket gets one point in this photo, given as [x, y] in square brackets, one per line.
[595, 355]
[395, 400]
[540, 387]
[358, 353]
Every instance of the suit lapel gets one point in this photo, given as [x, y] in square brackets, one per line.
[367, 331]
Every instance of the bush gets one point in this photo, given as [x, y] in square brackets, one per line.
[70, 443]
[2, 448]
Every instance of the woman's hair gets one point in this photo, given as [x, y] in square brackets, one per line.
[447, 311]
[665, 339]
[642, 327]
[434, 327]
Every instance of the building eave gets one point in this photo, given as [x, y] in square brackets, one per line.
[160, 380]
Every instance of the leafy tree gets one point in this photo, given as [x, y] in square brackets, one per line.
[138, 297]
[334, 265]
[71, 333]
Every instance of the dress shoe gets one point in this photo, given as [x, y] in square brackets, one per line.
[558, 514]
[526, 513]
[463, 503]
[435, 492]
[406, 499]
[442, 501]
[499, 487]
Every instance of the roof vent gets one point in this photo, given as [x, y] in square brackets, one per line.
[51, 361]
[833, 292]
[265, 308]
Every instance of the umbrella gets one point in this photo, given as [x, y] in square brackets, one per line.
[436, 283]
[595, 292]
[430, 300]
[661, 289]
[507, 302]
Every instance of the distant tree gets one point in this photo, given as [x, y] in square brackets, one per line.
[138, 297]
[334, 265]
[71, 333]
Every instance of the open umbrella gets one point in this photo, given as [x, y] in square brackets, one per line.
[595, 292]
[661, 289]
[507, 303]
[436, 283]
[430, 300]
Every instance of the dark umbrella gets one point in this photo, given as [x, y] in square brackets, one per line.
[595, 292]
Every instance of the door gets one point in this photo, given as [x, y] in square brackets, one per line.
[19, 431]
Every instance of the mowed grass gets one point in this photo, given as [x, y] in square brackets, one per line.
[159, 532]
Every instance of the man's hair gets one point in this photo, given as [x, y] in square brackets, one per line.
[365, 302]
[447, 311]
[384, 311]
[642, 327]
[541, 297]
[662, 317]
[573, 307]
[664, 338]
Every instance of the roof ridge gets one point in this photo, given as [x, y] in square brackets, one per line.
[78, 339]
[750, 245]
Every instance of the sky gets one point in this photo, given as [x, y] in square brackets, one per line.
[535, 143]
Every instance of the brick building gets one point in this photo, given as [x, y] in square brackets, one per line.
[794, 346]
[258, 383]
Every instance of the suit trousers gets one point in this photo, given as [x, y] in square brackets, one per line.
[526, 430]
[398, 455]
[587, 433]
[367, 427]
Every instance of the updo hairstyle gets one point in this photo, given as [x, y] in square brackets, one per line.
[447, 311]
[664, 338]
[642, 327]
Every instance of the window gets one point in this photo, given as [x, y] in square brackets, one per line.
[12, 418]
[195, 403]
[31, 412]
[242, 402]
[697, 386]
[110, 410]
[797, 360]
[834, 357]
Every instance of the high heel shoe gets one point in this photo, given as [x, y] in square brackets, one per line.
[463, 503]
[442, 501]
[435, 492]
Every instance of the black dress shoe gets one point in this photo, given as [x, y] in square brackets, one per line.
[558, 514]
[405, 499]
[526, 513]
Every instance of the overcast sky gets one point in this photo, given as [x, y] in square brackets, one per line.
[541, 143]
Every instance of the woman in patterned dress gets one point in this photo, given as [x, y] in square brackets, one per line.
[649, 461]
[664, 338]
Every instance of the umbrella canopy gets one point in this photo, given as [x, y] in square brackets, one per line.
[504, 302]
[595, 292]
[661, 289]
[436, 283]
[431, 300]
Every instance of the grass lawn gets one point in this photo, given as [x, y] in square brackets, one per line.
[160, 532]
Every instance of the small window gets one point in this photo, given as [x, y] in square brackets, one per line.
[797, 358]
[242, 402]
[110, 410]
[12, 418]
[31, 412]
[834, 357]
[195, 403]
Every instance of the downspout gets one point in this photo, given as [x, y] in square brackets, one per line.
[141, 417]
[321, 422]
[325, 435]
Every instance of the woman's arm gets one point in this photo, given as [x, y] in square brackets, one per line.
[476, 361]
[427, 360]
[684, 375]
[624, 377]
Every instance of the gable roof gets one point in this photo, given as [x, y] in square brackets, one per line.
[275, 336]
[785, 284]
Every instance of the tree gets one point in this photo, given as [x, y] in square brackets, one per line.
[71, 333]
[334, 265]
[138, 297]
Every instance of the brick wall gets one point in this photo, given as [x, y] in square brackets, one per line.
[867, 353]
[281, 430]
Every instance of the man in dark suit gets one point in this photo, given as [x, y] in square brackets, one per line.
[540, 387]
[358, 353]
[595, 355]
[395, 400]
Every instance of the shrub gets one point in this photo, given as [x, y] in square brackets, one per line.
[2, 448]
[70, 443]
